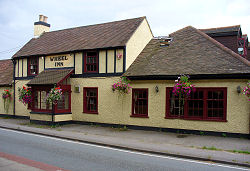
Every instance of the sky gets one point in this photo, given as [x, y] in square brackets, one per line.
[17, 17]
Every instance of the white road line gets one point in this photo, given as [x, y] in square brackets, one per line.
[127, 151]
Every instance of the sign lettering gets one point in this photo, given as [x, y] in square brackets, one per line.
[57, 61]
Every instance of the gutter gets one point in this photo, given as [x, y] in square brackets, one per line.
[192, 77]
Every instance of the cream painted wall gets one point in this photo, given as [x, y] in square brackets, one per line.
[41, 64]
[111, 61]
[16, 69]
[20, 67]
[40, 117]
[21, 110]
[78, 63]
[119, 63]
[102, 61]
[9, 111]
[137, 42]
[60, 118]
[25, 62]
[116, 109]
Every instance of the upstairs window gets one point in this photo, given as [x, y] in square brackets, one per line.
[91, 62]
[203, 104]
[32, 66]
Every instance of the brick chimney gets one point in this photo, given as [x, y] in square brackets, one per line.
[41, 26]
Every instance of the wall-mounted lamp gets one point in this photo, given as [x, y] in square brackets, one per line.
[238, 89]
[156, 89]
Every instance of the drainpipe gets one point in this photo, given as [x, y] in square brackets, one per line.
[14, 85]
[53, 112]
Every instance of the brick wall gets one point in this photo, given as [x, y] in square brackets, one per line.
[228, 41]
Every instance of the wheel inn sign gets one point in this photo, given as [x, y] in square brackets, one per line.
[59, 61]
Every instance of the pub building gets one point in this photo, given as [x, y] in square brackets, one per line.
[86, 61]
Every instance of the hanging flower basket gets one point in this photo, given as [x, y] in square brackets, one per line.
[182, 89]
[246, 90]
[122, 86]
[24, 95]
[183, 86]
[54, 95]
[6, 98]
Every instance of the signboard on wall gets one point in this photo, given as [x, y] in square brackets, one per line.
[59, 61]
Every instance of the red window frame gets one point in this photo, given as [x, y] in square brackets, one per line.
[93, 64]
[39, 89]
[203, 106]
[65, 88]
[30, 65]
[142, 100]
[85, 100]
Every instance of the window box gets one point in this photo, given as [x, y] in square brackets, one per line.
[207, 104]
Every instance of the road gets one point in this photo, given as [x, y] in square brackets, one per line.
[81, 156]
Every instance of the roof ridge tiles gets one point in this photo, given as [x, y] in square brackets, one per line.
[94, 24]
[217, 28]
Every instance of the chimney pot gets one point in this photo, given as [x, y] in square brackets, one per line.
[45, 19]
[41, 17]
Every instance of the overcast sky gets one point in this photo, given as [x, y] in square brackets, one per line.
[17, 17]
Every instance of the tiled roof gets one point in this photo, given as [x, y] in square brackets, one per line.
[191, 52]
[50, 77]
[221, 29]
[6, 72]
[104, 35]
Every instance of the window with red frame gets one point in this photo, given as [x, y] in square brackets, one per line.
[203, 104]
[91, 62]
[64, 104]
[39, 103]
[90, 98]
[140, 102]
[32, 66]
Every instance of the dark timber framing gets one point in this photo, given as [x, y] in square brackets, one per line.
[114, 60]
[18, 68]
[124, 59]
[82, 62]
[43, 63]
[74, 61]
[106, 61]
[22, 67]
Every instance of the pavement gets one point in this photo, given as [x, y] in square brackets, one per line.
[198, 147]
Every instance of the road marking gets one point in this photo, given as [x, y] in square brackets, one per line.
[127, 151]
[31, 163]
